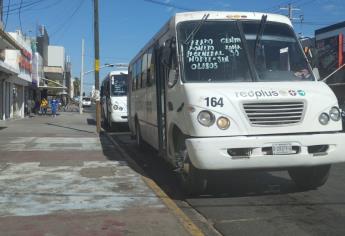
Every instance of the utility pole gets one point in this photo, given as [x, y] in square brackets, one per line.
[81, 78]
[290, 12]
[96, 39]
[1, 10]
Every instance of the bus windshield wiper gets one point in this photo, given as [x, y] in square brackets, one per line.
[252, 70]
[259, 34]
[196, 29]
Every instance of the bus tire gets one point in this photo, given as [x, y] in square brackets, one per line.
[310, 177]
[194, 183]
[193, 180]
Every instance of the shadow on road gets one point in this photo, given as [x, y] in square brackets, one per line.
[226, 184]
[71, 128]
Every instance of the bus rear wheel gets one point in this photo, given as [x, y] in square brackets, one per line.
[310, 177]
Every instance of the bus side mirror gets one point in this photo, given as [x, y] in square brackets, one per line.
[311, 54]
[173, 77]
[168, 49]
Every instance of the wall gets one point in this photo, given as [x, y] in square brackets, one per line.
[56, 56]
[21, 59]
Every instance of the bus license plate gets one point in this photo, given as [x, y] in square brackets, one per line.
[281, 148]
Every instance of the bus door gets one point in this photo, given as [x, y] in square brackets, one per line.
[161, 75]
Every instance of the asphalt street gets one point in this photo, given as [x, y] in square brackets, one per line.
[253, 203]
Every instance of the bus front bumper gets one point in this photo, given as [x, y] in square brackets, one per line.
[119, 117]
[255, 152]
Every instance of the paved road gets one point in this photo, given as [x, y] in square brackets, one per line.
[253, 203]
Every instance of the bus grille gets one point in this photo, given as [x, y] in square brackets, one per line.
[274, 113]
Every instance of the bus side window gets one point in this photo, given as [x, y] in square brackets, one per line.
[130, 78]
[150, 68]
[144, 70]
[138, 74]
[133, 78]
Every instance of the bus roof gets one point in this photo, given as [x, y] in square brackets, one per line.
[227, 15]
[118, 72]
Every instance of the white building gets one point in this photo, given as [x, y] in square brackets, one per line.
[21, 61]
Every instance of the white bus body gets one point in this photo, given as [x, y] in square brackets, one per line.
[230, 91]
[114, 98]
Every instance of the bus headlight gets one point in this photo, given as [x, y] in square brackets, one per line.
[115, 107]
[334, 113]
[223, 123]
[324, 118]
[206, 118]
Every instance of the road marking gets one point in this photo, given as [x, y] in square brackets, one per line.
[182, 217]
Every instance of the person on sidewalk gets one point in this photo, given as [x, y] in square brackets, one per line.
[54, 104]
[44, 106]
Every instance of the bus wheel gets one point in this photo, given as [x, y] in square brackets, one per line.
[310, 177]
[193, 180]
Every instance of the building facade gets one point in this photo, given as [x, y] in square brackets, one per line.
[21, 83]
[10, 94]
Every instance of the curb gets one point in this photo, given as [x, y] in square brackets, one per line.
[182, 217]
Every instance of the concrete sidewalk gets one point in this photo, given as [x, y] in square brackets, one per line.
[58, 177]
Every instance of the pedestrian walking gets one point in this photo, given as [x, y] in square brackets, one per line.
[54, 104]
[44, 106]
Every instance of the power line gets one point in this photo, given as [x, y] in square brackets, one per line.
[169, 5]
[17, 4]
[57, 2]
[8, 8]
[67, 20]
[23, 6]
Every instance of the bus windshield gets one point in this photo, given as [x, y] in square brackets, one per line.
[217, 53]
[118, 85]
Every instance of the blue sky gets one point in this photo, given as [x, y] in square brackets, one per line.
[126, 25]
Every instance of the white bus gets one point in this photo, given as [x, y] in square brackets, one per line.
[114, 99]
[233, 91]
